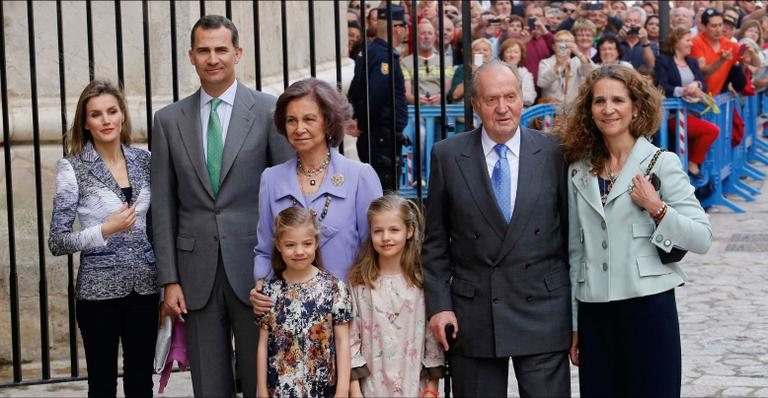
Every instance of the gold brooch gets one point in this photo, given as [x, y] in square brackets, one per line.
[337, 180]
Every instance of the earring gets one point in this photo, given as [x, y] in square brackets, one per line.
[634, 115]
[328, 137]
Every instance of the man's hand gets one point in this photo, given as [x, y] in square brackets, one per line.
[437, 325]
[261, 303]
[725, 55]
[173, 301]
[352, 129]
[574, 350]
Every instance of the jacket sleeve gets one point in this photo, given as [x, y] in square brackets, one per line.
[368, 189]
[164, 207]
[62, 239]
[529, 89]
[436, 263]
[547, 75]
[262, 266]
[686, 225]
[666, 77]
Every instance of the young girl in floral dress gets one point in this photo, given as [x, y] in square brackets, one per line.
[304, 348]
[393, 352]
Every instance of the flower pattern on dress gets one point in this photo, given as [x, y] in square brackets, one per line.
[389, 334]
[301, 351]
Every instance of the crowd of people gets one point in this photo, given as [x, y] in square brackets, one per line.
[247, 222]
[555, 44]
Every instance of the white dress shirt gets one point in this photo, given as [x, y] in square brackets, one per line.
[513, 157]
[224, 110]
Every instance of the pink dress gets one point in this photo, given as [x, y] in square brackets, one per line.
[389, 334]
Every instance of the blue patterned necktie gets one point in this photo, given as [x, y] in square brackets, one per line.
[501, 181]
[215, 147]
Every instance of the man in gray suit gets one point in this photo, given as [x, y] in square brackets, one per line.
[208, 152]
[495, 257]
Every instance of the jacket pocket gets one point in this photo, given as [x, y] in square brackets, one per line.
[462, 288]
[104, 259]
[642, 230]
[149, 255]
[326, 234]
[556, 280]
[185, 244]
[581, 275]
[651, 266]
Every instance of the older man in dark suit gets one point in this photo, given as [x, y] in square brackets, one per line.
[208, 152]
[495, 257]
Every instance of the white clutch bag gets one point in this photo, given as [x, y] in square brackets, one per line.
[163, 344]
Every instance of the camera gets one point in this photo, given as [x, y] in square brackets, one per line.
[634, 31]
[495, 21]
[593, 6]
[532, 23]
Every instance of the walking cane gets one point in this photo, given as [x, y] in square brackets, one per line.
[447, 365]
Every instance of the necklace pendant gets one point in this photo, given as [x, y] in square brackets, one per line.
[312, 182]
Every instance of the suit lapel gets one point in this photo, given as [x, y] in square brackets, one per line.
[632, 167]
[99, 170]
[192, 136]
[135, 173]
[586, 186]
[239, 127]
[528, 189]
[473, 169]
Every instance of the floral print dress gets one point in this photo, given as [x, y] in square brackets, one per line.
[301, 351]
[389, 336]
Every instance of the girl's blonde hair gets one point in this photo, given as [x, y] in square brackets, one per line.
[365, 270]
[78, 135]
[294, 217]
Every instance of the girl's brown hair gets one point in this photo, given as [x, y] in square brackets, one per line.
[365, 270]
[78, 135]
[580, 136]
[294, 217]
[752, 24]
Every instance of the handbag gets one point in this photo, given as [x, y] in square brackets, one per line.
[675, 254]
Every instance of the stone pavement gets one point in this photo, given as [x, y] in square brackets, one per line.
[723, 316]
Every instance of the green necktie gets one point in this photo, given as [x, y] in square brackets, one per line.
[215, 146]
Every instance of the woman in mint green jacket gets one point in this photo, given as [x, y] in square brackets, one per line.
[626, 338]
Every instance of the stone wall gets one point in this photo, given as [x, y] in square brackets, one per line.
[76, 77]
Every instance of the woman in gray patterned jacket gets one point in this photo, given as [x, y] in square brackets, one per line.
[104, 182]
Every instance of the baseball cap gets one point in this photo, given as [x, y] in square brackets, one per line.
[709, 13]
[398, 14]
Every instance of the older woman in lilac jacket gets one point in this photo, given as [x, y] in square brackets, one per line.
[312, 115]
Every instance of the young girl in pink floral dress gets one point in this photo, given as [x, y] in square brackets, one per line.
[393, 352]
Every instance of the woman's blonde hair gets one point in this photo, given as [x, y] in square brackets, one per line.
[78, 135]
[580, 136]
[365, 270]
[294, 217]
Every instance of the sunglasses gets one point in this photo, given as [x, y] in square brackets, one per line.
[568, 10]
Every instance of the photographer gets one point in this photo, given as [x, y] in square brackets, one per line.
[541, 41]
[635, 46]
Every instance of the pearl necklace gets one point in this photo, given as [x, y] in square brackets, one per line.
[313, 173]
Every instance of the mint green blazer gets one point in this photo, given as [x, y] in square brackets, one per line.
[612, 248]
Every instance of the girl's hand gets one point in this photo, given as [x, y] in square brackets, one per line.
[644, 195]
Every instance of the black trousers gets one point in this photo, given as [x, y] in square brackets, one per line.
[540, 375]
[132, 320]
[630, 348]
[381, 159]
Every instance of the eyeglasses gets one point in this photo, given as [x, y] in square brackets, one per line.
[568, 10]
[398, 25]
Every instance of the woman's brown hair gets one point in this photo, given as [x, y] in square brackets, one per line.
[509, 43]
[675, 35]
[78, 135]
[580, 136]
[365, 270]
[294, 217]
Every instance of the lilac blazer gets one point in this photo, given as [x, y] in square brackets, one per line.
[352, 186]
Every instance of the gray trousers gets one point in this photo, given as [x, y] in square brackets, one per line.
[541, 375]
[209, 342]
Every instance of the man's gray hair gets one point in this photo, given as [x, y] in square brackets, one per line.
[639, 11]
[492, 64]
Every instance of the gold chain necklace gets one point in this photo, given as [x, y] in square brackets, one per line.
[313, 173]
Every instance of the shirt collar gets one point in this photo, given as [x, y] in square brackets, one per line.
[513, 143]
[227, 96]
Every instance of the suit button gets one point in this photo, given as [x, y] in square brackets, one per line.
[659, 238]
[667, 242]
[605, 266]
[496, 300]
[605, 245]
[217, 212]
[537, 232]
[215, 238]
[529, 299]
[527, 266]
[602, 224]
[476, 236]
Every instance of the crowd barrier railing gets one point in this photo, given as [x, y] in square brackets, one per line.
[721, 173]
